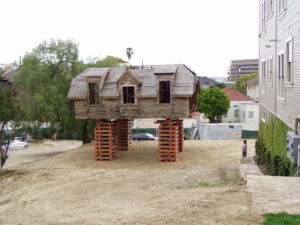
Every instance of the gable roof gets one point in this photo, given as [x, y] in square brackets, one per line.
[165, 69]
[94, 72]
[131, 75]
[207, 81]
[253, 81]
[234, 95]
[184, 81]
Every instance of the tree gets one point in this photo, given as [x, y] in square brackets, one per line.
[7, 112]
[241, 82]
[220, 85]
[214, 103]
[43, 83]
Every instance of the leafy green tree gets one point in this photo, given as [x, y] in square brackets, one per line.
[7, 112]
[220, 85]
[241, 83]
[214, 103]
[43, 83]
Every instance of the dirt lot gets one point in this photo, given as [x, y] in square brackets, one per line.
[55, 185]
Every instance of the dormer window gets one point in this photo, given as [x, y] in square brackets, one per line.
[93, 93]
[164, 92]
[128, 95]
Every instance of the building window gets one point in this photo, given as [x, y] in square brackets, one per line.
[164, 92]
[270, 75]
[250, 114]
[263, 16]
[236, 113]
[244, 115]
[263, 75]
[271, 7]
[263, 116]
[281, 75]
[93, 93]
[289, 55]
[281, 6]
[128, 95]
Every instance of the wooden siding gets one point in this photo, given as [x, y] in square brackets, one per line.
[147, 108]
[288, 26]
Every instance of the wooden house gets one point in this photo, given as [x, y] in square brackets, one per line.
[167, 91]
[115, 96]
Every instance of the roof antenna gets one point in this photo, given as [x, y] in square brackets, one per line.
[129, 52]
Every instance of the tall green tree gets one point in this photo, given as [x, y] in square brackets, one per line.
[7, 113]
[214, 103]
[241, 82]
[43, 83]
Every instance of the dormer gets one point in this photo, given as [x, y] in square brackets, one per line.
[94, 78]
[128, 87]
[165, 76]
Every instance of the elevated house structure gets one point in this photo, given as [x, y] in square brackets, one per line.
[115, 96]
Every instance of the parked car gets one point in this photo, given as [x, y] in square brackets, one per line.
[143, 137]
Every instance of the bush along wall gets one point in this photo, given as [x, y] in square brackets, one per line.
[271, 148]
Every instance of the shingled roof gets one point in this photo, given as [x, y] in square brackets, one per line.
[234, 95]
[184, 81]
[207, 81]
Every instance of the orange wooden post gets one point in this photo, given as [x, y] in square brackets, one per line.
[104, 140]
[168, 141]
[180, 135]
[125, 134]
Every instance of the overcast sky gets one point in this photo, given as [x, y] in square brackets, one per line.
[204, 35]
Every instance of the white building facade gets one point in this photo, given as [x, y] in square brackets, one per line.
[279, 56]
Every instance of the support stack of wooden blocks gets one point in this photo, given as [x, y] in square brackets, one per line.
[124, 134]
[180, 135]
[105, 143]
[168, 146]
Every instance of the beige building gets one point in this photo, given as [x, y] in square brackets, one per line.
[252, 88]
[242, 110]
[242, 67]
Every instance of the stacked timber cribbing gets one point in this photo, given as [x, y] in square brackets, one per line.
[124, 135]
[105, 140]
[180, 135]
[168, 142]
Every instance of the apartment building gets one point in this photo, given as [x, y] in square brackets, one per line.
[279, 58]
[243, 67]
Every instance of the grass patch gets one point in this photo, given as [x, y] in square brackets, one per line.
[206, 184]
[281, 219]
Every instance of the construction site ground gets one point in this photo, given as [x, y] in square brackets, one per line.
[61, 183]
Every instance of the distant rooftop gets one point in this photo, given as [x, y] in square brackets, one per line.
[234, 95]
[207, 81]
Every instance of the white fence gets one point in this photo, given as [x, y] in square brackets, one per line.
[218, 131]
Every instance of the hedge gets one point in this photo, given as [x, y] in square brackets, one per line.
[271, 148]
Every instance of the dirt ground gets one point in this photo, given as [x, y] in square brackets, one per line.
[55, 185]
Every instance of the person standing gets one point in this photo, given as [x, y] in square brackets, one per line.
[244, 148]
